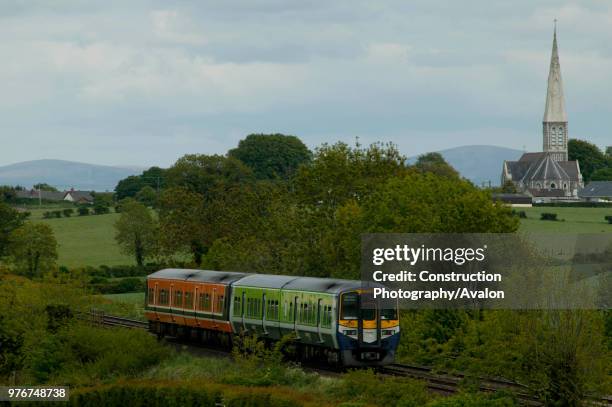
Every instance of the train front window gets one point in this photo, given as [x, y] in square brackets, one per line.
[368, 312]
[350, 306]
[388, 313]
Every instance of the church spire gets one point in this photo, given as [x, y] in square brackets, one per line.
[555, 101]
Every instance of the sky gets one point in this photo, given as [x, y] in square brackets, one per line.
[142, 83]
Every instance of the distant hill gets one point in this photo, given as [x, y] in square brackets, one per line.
[478, 163]
[65, 175]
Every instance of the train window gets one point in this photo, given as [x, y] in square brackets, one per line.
[163, 297]
[389, 313]
[291, 311]
[220, 303]
[188, 300]
[151, 295]
[350, 306]
[237, 306]
[178, 298]
[368, 312]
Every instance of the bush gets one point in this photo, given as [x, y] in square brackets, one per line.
[101, 208]
[68, 212]
[124, 285]
[57, 214]
[548, 216]
[520, 214]
[609, 219]
[476, 400]
[83, 211]
[47, 215]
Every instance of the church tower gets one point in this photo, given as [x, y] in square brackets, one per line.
[555, 117]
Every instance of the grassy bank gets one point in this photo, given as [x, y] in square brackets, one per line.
[570, 220]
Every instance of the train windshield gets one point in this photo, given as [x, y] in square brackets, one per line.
[350, 306]
[368, 311]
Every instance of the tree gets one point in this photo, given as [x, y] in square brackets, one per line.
[147, 196]
[509, 187]
[33, 249]
[44, 187]
[602, 174]
[154, 177]
[609, 152]
[10, 220]
[182, 229]
[136, 231]
[271, 156]
[202, 173]
[339, 173]
[589, 157]
[436, 164]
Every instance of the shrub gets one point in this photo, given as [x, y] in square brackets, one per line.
[57, 214]
[609, 219]
[47, 215]
[101, 208]
[475, 400]
[548, 216]
[83, 211]
[520, 214]
[68, 212]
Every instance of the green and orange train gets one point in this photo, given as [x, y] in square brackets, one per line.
[329, 318]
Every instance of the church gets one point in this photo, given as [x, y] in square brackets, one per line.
[548, 173]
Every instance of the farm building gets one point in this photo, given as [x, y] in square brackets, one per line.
[597, 191]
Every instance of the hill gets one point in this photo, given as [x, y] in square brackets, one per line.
[478, 163]
[65, 175]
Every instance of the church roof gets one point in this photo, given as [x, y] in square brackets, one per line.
[540, 167]
[602, 189]
[555, 101]
[546, 169]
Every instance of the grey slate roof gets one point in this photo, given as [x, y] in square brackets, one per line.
[78, 195]
[220, 277]
[597, 189]
[541, 166]
[544, 169]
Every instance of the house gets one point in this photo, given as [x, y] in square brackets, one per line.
[597, 191]
[78, 197]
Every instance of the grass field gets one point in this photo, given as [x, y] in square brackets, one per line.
[570, 220]
[86, 240]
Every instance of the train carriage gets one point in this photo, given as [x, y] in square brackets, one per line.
[328, 318]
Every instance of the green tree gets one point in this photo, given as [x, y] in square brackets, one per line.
[44, 187]
[33, 249]
[154, 177]
[272, 156]
[147, 196]
[589, 157]
[202, 173]
[436, 164]
[182, 228]
[136, 231]
[509, 188]
[10, 220]
[339, 173]
[602, 174]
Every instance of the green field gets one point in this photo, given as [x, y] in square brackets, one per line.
[570, 220]
[86, 240]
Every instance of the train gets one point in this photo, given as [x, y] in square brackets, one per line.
[332, 319]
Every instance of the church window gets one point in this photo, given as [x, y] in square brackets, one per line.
[552, 185]
[564, 186]
[538, 185]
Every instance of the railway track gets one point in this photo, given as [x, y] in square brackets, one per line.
[440, 383]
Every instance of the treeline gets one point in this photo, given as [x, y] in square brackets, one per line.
[272, 206]
[595, 165]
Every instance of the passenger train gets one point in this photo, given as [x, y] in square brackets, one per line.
[328, 318]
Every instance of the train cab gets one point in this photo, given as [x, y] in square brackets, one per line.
[368, 329]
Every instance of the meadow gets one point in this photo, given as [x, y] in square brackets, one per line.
[569, 220]
[85, 240]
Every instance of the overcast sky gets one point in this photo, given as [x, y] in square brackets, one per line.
[144, 82]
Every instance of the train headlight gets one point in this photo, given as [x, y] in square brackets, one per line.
[388, 332]
[350, 332]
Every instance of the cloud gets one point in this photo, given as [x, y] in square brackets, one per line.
[142, 82]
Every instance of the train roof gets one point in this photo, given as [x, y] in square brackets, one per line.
[324, 285]
[208, 276]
